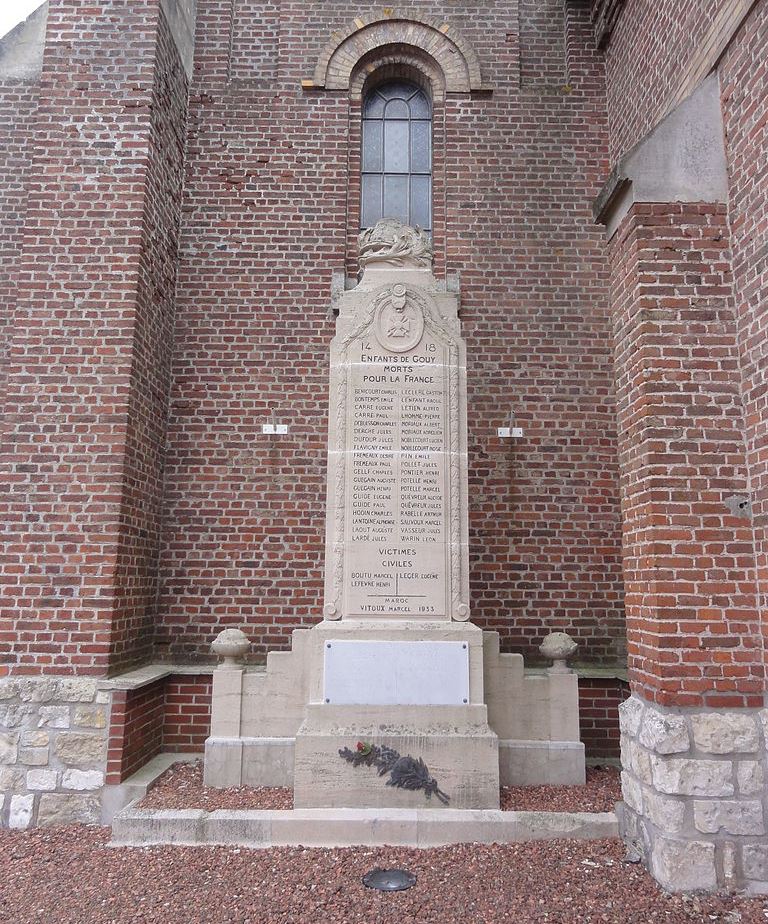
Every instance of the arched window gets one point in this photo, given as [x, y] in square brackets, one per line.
[397, 155]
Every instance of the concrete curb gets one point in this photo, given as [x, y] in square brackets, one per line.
[130, 791]
[336, 827]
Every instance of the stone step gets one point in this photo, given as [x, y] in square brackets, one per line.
[337, 827]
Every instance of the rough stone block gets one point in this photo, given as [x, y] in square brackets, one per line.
[11, 779]
[680, 776]
[32, 737]
[731, 816]
[666, 814]
[74, 748]
[755, 861]
[750, 776]
[77, 690]
[9, 747]
[90, 716]
[630, 714]
[33, 690]
[20, 815]
[82, 779]
[13, 716]
[641, 763]
[664, 733]
[64, 808]
[53, 689]
[684, 865]
[632, 792]
[33, 757]
[725, 732]
[729, 861]
[53, 717]
[42, 780]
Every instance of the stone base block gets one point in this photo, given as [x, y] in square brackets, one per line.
[249, 762]
[460, 751]
[694, 792]
[270, 762]
[53, 750]
[541, 763]
[354, 827]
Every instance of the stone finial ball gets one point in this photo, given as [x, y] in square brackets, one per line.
[232, 645]
[558, 646]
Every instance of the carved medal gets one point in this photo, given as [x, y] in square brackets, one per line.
[399, 322]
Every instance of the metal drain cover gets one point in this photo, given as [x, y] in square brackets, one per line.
[389, 880]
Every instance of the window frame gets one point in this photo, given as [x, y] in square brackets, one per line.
[377, 158]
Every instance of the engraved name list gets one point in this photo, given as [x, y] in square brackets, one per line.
[396, 451]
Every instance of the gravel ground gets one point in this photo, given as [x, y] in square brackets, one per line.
[70, 876]
[602, 792]
[181, 786]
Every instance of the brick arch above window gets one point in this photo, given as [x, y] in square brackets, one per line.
[398, 62]
[440, 41]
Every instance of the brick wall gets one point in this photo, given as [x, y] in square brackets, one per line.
[652, 50]
[655, 53]
[89, 350]
[152, 335]
[172, 714]
[187, 720]
[18, 105]
[266, 221]
[692, 618]
[135, 730]
[743, 75]
[599, 701]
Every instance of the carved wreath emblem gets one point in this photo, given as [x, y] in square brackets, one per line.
[394, 243]
[404, 772]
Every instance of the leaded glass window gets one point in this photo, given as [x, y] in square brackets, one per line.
[397, 156]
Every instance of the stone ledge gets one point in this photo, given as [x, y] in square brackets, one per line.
[21, 49]
[143, 676]
[134, 827]
[587, 672]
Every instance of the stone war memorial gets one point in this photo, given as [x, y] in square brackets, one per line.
[383, 422]
[395, 663]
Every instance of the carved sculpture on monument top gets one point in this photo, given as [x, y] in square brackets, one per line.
[395, 244]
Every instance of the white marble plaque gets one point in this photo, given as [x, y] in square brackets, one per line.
[396, 528]
[396, 673]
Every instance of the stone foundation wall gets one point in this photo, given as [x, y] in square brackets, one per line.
[695, 797]
[53, 749]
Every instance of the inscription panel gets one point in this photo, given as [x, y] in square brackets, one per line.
[396, 673]
[395, 527]
[396, 458]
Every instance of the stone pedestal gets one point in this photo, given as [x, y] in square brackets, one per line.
[258, 714]
[450, 733]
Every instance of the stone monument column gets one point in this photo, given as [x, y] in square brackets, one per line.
[397, 535]
[395, 662]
